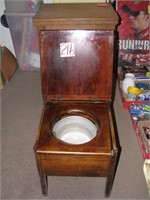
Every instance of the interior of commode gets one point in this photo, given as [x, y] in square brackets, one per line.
[75, 129]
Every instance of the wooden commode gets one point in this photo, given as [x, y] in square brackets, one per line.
[76, 135]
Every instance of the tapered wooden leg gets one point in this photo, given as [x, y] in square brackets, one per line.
[111, 174]
[44, 184]
[43, 177]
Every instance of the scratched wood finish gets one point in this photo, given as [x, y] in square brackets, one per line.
[85, 75]
[89, 159]
[47, 140]
[77, 16]
[95, 158]
[79, 82]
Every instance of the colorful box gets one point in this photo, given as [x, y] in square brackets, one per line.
[140, 116]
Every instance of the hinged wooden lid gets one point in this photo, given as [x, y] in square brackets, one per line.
[81, 16]
[76, 64]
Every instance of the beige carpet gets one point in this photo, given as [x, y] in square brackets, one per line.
[21, 106]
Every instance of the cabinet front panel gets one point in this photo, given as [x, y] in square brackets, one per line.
[76, 165]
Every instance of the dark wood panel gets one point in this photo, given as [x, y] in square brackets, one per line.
[76, 44]
[102, 143]
[85, 74]
[76, 165]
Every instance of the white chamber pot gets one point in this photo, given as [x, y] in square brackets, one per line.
[75, 130]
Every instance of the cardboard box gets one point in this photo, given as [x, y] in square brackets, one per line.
[8, 65]
[140, 136]
[140, 117]
[144, 138]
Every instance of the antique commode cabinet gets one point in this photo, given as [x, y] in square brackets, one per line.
[76, 135]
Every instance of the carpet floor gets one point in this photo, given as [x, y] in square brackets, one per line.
[21, 106]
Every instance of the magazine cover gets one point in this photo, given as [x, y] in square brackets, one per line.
[134, 32]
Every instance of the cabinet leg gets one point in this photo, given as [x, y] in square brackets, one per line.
[111, 174]
[44, 184]
[43, 177]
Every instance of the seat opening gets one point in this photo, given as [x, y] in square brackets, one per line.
[75, 128]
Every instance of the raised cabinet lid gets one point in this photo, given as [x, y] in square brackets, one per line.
[79, 16]
[76, 43]
[76, 65]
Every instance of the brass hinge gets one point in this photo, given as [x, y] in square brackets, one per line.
[95, 99]
[59, 99]
[56, 100]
